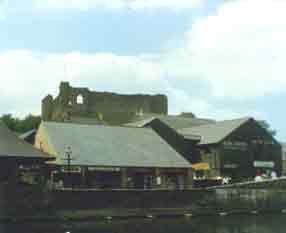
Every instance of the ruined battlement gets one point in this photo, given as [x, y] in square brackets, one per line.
[73, 102]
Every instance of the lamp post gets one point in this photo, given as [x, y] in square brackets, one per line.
[68, 158]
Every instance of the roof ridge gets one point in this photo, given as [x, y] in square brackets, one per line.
[219, 122]
[102, 126]
[187, 118]
[213, 133]
[236, 119]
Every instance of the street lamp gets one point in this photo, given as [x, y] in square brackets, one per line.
[68, 158]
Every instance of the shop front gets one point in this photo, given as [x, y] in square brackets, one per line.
[121, 178]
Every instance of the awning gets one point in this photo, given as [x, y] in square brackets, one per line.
[201, 166]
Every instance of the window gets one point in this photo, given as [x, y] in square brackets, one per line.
[79, 99]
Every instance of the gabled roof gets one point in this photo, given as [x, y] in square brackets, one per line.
[216, 132]
[97, 145]
[12, 146]
[175, 122]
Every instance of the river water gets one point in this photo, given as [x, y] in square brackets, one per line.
[228, 224]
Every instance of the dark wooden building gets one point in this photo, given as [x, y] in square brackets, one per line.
[237, 148]
[19, 161]
[167, 126]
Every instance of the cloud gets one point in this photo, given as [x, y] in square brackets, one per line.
[240, 51]
[26, 77]
[228, 60]
[118, 4]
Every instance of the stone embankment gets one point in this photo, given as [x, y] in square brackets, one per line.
[277, 184]
[82, 205]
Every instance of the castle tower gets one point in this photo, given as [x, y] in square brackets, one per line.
[47, 108]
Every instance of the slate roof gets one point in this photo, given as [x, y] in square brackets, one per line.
[175, 122]
[97, 145]
[216, 132]
[12, 146]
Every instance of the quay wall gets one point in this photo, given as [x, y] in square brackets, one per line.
[276, 184]
[168, 202]
[249, 199]
[29, 201]
[130, 199]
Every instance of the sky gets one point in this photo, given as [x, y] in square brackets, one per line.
[219, 59]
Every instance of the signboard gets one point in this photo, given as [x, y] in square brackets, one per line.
[104, 169]
[262, 142]
[230, 145]
[201, 166]
[29, 167]
[266, 164]
[72, 169]
[230, 166]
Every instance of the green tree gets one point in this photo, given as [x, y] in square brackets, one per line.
[28, 123]
[267, 126]
[9, 120]
[21, 125]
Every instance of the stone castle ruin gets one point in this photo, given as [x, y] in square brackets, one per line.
[81, 104]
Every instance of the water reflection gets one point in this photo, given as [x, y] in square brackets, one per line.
[228, 224]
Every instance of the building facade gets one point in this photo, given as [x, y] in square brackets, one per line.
[111, 157]
[237, 148]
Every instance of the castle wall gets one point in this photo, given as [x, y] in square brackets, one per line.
[75, 102]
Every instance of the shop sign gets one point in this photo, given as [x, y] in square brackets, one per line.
[107, 169]
[235, 145]
[29, 167]
[266, 164]
[262, 142]
[72, 169]
[233, 166]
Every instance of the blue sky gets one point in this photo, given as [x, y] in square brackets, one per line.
[100, 29]
[217, 58]
[121, 32]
